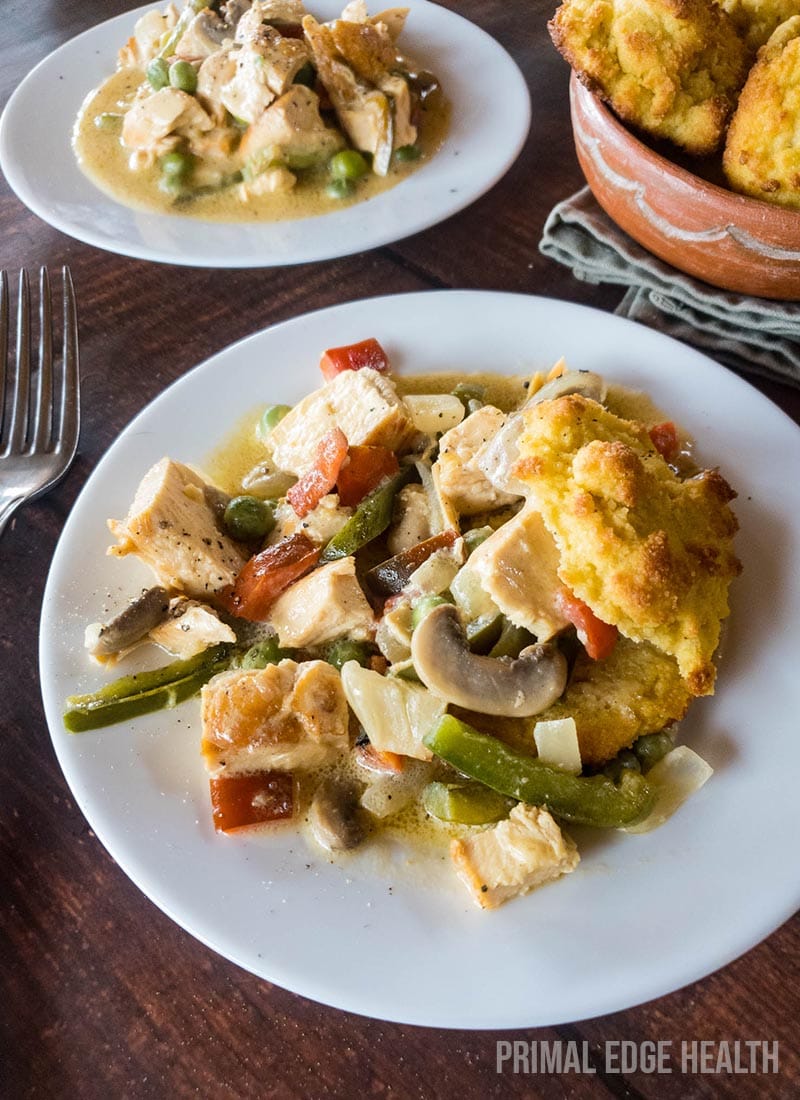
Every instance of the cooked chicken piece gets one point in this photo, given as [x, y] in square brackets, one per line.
[447, 514]
[168, 111]
[320, 525]
[326, 604]
[762, 152]
[293, 129]
[636, 690]
[517, 567]
[671, 67]
[213, 75]
[275, 180]
[203, 37]
[265, 69]
[364, 113]
[648, 552]
[513, 857]
[393, 19]
[147, 35]
[282, 717]
[363, 403]
[411, 521]
[172, 528]
[275, 12]
[190, 628]
[467, 487]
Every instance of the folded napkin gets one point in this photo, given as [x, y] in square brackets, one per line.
[749, 334]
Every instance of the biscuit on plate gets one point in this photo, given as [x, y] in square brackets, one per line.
[670, 67]
[649, 552]
[762, 151]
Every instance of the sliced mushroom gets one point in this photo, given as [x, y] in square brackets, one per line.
[128, 628]
[335, 815]
[584, 382]
[489, 685]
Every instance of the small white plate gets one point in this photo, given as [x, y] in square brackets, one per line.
[490, 120]
[642, 915]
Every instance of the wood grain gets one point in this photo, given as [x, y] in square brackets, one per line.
[101, 995]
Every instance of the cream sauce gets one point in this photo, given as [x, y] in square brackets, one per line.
[105, 161]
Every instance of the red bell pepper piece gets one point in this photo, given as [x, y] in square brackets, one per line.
[367, 353]
[363, 469]
[268, 574]
[665, 440]
[598, 638]
[306, 493]
[242, 801]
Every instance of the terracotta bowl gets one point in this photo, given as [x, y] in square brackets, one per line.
[728, 240]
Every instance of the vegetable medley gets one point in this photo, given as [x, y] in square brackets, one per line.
[486, 598]
[250, 97]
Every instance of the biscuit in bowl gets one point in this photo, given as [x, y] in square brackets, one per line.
[672, 68]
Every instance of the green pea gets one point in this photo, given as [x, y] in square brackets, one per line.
[248, 518]
[340, 189]
[652, 747]
[265, 653]
[406, 153]
[307, 75]
[183, 76]
[270, 418]
[157, 73]
[474, 538]
[623, 761]
[107, 120]
[342, 650]
[348, 165]
[175, 165]
[423, 606]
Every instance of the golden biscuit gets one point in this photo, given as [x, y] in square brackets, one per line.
[762, 152]
[670, 67]
[648, 552]
[755, 20]
[636, 690]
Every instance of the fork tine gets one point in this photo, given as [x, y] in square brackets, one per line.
[3, 344]
[22, 378]
[42, 424]
[69, 418]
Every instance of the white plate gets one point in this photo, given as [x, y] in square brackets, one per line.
[491, 116]
[642, 915]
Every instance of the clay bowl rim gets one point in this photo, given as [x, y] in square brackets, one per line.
[771, 216]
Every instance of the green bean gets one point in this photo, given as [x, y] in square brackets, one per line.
[157, 73]
[484, 632]
[468, 393]
[407, 153]
[107, 120]
[348, 165]
[423, 606]
[268, 652]
[370, 519]
[339, 189]
[183, 76]
[473, 538]
[587, 800]
[513, 639]
[248, 518]
[143, 692]
[176, 165]
[465, 803]
[342, 650]
[652, 747]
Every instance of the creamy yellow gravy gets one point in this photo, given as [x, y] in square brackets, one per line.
[105, 161]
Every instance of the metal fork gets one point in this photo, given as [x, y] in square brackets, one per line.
[39, 405]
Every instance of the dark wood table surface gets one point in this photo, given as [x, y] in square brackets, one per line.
[101, 995]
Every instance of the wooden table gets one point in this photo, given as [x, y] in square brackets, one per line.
[102, 995]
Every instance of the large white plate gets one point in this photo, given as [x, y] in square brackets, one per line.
[642, 915]
[491, 115]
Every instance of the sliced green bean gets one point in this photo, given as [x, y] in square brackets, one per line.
[370, 519]
[465, 803]
[268, 652]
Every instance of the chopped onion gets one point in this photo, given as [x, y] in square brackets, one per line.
[392, 793]
[676, 776]
[435, 574]
[557, 744]
[433, 413]
[471, 598]
[395, 714]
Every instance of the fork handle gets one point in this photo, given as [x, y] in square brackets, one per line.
[7, 509]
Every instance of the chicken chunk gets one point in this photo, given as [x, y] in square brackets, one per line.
[190, 628]
[203, 37]
[671, 67]
[168, 111]
[517, 566]
[363, 403]
[265, 69]
[282, 717]
[213, 75]
[411, 521]
[172, 528]
[293, 130]
[320, 525]
[321, 606]
[467, 487]
[514, 857]
[148, 33]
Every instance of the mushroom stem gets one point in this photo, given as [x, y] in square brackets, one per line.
[488, 685]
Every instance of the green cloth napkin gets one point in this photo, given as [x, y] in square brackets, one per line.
[750, 334]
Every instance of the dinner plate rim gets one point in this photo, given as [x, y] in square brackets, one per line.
[348, 232]
[735, 946]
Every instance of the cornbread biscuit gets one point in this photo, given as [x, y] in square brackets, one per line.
[755, 20]
[762, 152]
[636, 690]
[671, 67]
[648, 552]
